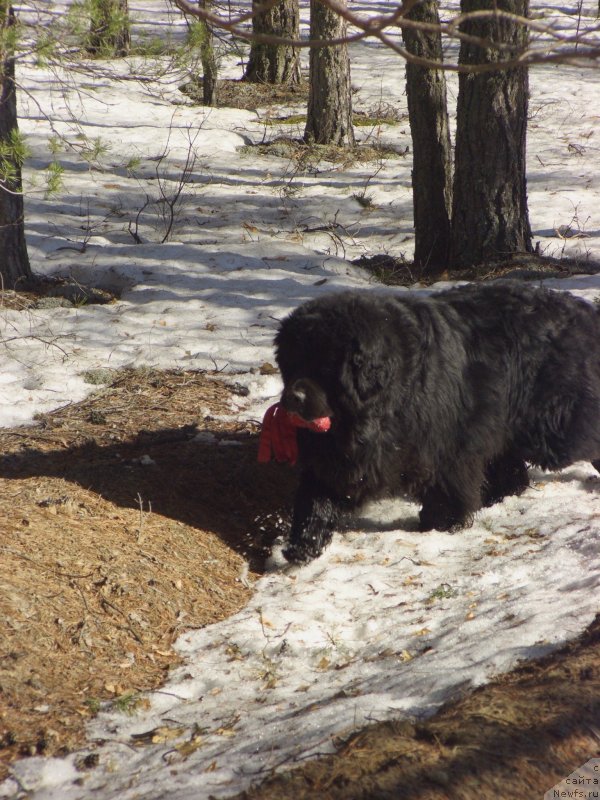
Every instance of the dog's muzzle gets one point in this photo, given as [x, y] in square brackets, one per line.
[305, 398]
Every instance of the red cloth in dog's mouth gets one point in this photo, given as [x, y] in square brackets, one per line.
[278, 434]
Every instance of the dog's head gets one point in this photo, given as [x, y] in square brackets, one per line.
[332, 358]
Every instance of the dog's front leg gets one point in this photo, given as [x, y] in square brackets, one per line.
[314, 518]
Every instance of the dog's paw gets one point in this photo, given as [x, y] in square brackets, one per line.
[276, 562]
[300, 553]
[451, 523]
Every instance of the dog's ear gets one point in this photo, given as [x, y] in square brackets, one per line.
[369, 369]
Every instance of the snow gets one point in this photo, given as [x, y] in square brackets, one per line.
[388, 622]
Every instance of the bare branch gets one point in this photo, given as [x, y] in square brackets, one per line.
[579, 50]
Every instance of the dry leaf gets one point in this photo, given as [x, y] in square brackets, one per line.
[225, 732]
[186, 749]
[159, 735]
[268, 369]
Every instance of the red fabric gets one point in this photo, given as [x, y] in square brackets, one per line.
[278, 434]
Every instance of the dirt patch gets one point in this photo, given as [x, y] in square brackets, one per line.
[246, 95]
[517, 737]
[306, 155]
[42, 292]
[397, 271]
[124, 520]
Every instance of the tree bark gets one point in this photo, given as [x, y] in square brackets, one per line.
[109, 28]
[432, 153]
[275, 63]
[14, 261]
[329, 113]
[208, 59]
[489, 217]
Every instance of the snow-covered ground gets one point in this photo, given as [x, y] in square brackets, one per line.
[388, 622]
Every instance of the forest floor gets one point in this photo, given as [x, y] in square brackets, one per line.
[126, 519]
[130, 517]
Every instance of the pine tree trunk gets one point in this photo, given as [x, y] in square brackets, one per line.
[432, 154]
[209, 65]
[208, 59]
[109, 28]
[329, 113]
[14, 261]
[489, 217]
[275, 63]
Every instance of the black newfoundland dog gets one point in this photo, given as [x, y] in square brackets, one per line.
[445, 398]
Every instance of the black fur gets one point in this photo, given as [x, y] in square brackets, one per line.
[444, 398]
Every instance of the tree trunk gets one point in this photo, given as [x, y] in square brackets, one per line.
[432, 153]
[489, 217]
[14, 261]
[275, 63]
[208, 59]
[329, 113]
[109, 28]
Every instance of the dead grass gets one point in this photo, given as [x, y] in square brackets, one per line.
[249, 96]
[306, 155]
[118, 531]
[396, 271]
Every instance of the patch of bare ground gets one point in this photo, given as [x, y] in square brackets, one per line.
[304, 154]
[397, 271]
[246, 95]
[124, 520]
[517, 737]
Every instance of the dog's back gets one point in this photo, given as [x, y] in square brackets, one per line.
[547, 344]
